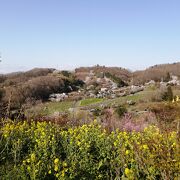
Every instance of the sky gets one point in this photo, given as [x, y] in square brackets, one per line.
[65, 34]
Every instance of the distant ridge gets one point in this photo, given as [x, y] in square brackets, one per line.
[120, 72]
[156, 72]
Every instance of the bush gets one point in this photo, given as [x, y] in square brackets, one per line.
[66, 73]
[121, 110]
[97, 112]
[166, 113]
[2, 78]
[1, 93]
[162, 94]
[168, 94]
[168, 77]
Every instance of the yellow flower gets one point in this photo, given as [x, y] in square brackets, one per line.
[145, 129]
[119, 136]
[24, 162]
[70, 131]
[84, 126]
[57, 175]
[125, 133]
[95, 121]
[145, 146]
[56, 168]
[78, 143]
[63, 174]
[28, 168]
[115, 143]
[127, 171]
[49, 172]
[33, 157]
[64, 164]
[127, 152]
[56, 161]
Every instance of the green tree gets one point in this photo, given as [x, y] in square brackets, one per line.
[168, 94]
[121, 110]
[168, 77]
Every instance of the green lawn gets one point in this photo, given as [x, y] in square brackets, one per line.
[50, 107]
[143, 96]
[86, 102]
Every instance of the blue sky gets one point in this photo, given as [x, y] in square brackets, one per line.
[65, 34]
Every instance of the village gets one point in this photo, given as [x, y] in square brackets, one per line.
[103, 87]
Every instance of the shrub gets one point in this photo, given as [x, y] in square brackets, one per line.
[121, 110]
[168, 94]
[162, 94]
[168, 77]
[1, 93]
[66, 73]
[167, 114]
[2, 78]
[97, 112]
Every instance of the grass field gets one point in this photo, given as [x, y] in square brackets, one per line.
[143, 98]
[138, 97]
[50, 108]
[89, 101]
[57, 106]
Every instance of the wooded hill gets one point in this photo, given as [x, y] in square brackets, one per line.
[28, 87]
[122, 73]
[156, 73]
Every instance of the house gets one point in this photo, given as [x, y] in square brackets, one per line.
[58, 97]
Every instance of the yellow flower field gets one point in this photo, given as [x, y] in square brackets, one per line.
[46, 151]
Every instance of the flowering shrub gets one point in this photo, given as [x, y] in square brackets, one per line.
[138, 123]
[45, 151]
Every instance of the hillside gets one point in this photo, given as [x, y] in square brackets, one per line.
[18, 89]
[156, 73]
[55, 126]
[122, 73]
[38, 84]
